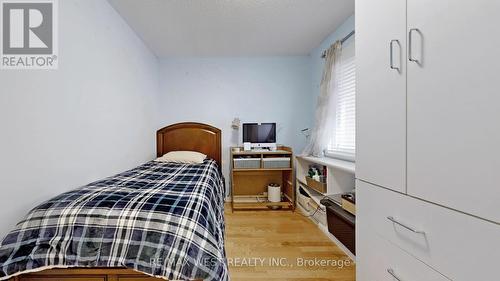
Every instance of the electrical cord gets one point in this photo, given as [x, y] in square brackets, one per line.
[315, 211]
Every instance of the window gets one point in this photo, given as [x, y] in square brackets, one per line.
[343, 142]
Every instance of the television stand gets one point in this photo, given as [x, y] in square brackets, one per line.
[252, 172]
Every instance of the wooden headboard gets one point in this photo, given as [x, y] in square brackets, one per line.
[190, 136]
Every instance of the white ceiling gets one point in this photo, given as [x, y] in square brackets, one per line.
[233, 27]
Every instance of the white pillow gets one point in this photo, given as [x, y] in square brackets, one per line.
[186, 157]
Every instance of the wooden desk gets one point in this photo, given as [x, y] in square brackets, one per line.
[249, 185]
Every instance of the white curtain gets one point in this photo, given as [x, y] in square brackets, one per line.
[324, 124]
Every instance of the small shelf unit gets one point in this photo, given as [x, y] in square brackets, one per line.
[250, 178]
[339, 179]
[340, 173]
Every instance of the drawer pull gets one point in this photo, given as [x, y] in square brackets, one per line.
[405, 226]
[391, 272]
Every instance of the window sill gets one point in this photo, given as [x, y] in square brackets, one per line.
[347, 166]
[340, 156]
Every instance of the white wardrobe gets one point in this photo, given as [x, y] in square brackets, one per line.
[428, 140]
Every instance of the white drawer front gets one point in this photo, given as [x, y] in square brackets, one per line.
[459, 246]
[379, 260]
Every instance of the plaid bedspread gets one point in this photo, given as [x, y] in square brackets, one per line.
[162, 219]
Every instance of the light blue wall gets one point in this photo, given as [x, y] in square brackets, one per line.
[93, 117]
[216, 90]
[263, 89]
[317, 62]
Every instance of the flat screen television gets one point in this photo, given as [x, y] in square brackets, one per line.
[260, 134]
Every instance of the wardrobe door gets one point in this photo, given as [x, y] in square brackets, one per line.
[454, 104]
[381, 92]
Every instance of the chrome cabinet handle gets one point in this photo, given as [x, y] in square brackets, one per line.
[392, 219]
[410, 57]
[391, 272]
[391, 54]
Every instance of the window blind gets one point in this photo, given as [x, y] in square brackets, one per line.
[344, 137]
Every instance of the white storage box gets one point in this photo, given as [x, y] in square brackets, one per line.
[311, 210]
[247, 163]
[303, 200]
[320, 215]
[276, 163]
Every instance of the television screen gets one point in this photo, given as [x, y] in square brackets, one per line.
[259, 133]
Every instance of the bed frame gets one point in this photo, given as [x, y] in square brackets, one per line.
[190, 136]
[181, 136]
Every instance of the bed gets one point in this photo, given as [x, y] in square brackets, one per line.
[156, 221]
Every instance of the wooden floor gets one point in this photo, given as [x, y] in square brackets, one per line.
[271, 245]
